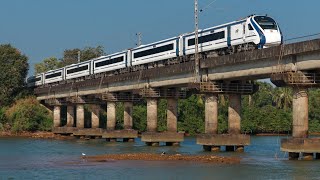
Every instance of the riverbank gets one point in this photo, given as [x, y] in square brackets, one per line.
[35, 135]
[163, 157]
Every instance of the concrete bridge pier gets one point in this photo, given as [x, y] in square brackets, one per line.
[111, 116]
[127, 115]
[207, 140]
[211, 114]
[172, 137]
[152, 114]
[300, 118]
[95, 113]
[300, 143]
[172, 112]
[79, 119]
[152, 122]
[300, 113]
[56, 116]
[236, 141]
[111, 119]
[80, 116]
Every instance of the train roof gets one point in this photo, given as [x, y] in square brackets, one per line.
[59, 69]
[157, 42]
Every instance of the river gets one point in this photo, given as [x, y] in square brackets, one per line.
[26, 158]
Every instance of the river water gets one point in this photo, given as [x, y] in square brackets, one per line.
[25, 158]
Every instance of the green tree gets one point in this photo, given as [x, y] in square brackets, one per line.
[282, 97]
[314, 110]
[162, 115]
[263, 116]
[47, 65]
[70, 56]
[91, 53]
[3, 119]
[264, 96]
[13, 71]
[140, 116]
[223, 105]
[119, 115]
[191, 115]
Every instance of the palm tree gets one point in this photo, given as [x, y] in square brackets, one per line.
[282, 97]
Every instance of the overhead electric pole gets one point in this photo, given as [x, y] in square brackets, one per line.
[196, 33]
[79, 56]
[139, 38]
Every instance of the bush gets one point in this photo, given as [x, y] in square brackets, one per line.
[1, 127]
[3, 118]
[314, 126]
[28, 115]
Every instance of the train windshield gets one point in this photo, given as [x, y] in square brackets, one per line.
[266, 22]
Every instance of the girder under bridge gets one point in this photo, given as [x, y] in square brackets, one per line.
[301, 58]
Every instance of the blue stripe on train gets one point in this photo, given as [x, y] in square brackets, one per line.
[184, 45]
[229, 36]
[177, 47]
[261, 35]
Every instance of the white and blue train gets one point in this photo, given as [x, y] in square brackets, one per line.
[252, 32]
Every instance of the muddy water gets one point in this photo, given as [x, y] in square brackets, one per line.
[24, 158]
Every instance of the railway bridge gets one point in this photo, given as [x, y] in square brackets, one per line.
[295, 65]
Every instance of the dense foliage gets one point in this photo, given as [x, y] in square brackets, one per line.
[28, 115]
[13, 71]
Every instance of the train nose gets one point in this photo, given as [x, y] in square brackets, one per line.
[273, 38]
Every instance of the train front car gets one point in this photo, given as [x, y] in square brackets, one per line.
[268, 30]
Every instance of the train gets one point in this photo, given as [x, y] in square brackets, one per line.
[251, 32]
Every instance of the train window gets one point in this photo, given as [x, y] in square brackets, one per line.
[207, 38]
[78, 69]
[266, 22]
[109, 61]
[154, 51]
[53, 75]
[38, 79]
[250, 27]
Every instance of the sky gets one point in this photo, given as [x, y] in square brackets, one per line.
[45, 28]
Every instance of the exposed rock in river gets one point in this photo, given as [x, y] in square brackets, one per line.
[165, 157]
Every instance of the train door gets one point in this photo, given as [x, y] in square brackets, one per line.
[244, 31]
[236, 34]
